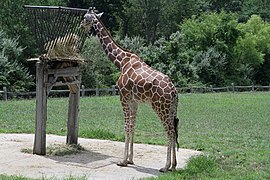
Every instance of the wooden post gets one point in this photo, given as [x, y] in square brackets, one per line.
[41, 110]
[97, 92]
[233, 87]
[83, 90]
[5, 94]
[211, 88]
[73, 111]
[113, 90]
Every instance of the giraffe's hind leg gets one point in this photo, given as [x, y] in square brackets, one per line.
[171, 152]
[174, 161]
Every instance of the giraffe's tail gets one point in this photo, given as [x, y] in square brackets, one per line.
[176, 123]
[175, 119]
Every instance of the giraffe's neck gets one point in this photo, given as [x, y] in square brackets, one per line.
[115, 53]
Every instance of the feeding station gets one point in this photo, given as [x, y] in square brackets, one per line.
[60, 40]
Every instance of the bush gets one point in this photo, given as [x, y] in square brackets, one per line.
[12, 74]
[99, 71]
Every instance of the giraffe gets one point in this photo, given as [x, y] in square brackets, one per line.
[139, 83]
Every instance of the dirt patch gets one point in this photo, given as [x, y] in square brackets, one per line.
[97, 162]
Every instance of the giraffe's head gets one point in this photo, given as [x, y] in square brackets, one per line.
[90, 18]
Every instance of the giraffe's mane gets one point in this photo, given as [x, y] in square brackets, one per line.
[116, 43]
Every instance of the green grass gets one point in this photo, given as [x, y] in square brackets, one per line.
[13, 177]
[233, 130]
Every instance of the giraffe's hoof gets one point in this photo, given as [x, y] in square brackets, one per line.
[130, 162]
[172, 169]
[164, 170]
[123, 164]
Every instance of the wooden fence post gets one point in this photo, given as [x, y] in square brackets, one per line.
[5, 94]
[113, 90]
[83, 90]
[233, 87]
[211, 88]
[41, 110]
[97, 92]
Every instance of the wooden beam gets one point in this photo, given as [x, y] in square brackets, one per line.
[61, 83]
[65, 72]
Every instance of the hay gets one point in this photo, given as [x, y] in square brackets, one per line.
[65, 47]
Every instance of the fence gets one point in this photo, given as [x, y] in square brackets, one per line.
[233, 88]
[5, 95]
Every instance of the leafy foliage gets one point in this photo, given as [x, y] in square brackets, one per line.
[99, 71]
[12, 74]
[209, 66]
[258, 7]
[212, 37]
[209, 42]
[152, 19]
[253, 46]
[254, 42]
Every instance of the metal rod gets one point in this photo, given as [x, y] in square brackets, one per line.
[52, 24]
[55, 7]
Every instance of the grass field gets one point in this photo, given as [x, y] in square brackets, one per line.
[233, 130]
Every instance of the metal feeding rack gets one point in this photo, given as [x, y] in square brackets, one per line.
[60, 41]
[57, 29]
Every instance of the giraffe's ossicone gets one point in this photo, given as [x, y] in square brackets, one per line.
[138, 83]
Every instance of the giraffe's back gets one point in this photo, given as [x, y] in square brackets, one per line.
[147, 84]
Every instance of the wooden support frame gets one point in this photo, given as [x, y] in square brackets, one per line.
[72, 124]
[46, 78]
[41, 110]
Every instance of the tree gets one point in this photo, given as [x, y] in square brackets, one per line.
[12, 74]
[142, 18]
[259, 7]
[211, 38]
[228, 5]
[112, 10]
[152, 19]
[253, 47]
[13, 21]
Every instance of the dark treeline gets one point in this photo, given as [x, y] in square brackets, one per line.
[202, 42]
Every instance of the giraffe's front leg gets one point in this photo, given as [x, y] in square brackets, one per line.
[130, 156]
[124, 162]
[126, 110]
[133, 111]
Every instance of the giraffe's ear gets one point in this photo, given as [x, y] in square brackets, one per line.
[99, 15]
